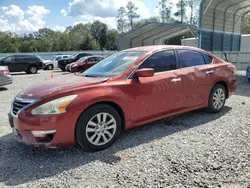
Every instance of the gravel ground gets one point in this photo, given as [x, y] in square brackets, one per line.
[195, 149]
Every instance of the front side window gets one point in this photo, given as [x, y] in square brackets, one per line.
[115, 64]
[190, 58]
[160, 62]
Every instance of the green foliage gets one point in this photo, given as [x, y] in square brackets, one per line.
[246, 24]
[181, 10]
[164, 7]
[88, 36]
[121, 20]
[131, 13]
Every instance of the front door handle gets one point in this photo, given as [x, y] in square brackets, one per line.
[210, 72]
[176, 80]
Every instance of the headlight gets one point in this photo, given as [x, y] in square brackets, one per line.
[57, 106]
[74, 65]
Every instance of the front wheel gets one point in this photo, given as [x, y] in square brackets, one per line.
[98, 127]
[50, 67]
[217, 98]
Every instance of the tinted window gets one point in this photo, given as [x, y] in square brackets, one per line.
[188, 58]
[91, 59]
[9, 59]
[98, 58]
[20, 58]
[160, 62]
[65, 57]
[208, 58]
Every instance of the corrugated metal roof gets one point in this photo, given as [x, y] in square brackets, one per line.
[152, 34]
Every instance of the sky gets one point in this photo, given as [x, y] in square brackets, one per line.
[22, 16]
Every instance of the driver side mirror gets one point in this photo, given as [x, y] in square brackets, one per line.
[145, 72]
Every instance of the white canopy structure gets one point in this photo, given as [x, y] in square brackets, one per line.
[152, 33]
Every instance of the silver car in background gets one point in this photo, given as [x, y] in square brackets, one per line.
[5, 77]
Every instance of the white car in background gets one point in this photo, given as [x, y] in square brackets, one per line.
[51, 63]
[5, 77]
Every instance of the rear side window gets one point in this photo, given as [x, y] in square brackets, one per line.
[161, 61]
[20, 58]
[190, 58]
[9, 59]
[208, 58]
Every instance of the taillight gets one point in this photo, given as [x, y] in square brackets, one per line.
[5, 72]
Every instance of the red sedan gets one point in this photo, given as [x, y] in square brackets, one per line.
[84, 63]
[125, 90]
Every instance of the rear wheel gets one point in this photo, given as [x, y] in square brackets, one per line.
[98, 127]
[217, 98]
[33, 70]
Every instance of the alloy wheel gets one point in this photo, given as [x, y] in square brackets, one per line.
[101, 128]
[219, 98]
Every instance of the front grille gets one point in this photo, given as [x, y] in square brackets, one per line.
[19, 104]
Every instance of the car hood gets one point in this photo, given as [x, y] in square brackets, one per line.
[47, 61]
[59, 85]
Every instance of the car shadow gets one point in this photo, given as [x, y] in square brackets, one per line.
[3, 88]
[243, 86]
[21, 163]
[21, 73]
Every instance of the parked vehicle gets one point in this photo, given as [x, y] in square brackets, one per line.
[5, 77]
[64, 62]
[84, 63]
[52, 63]
[248, 72]
[128, 89]
[28, 63]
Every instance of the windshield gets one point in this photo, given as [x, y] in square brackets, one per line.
[81, 59]
[114, 65]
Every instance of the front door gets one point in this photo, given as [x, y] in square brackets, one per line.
[198, 75]
[158, 95]
[90, 62]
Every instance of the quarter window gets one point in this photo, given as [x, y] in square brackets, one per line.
[188, 58]
[208, 58]
[160, 62]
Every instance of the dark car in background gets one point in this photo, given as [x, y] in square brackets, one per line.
[64, 62]
[84, 63]
[18, 63]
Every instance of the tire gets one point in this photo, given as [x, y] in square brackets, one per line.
[50, 67]
[218, 93]
[96, 133]
[63, 69]
[81, 69]
[33, 69]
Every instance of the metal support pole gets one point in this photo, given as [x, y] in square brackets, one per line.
[238, 59]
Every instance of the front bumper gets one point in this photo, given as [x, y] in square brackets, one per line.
[74, 69]
[58, 130]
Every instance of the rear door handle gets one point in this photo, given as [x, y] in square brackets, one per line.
[210, 72]
[176, 80]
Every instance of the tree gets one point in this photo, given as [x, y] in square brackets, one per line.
[99, 32]
[246, 24]
[193, 5]
[181, 10]
[143, 21]
[111, 40]
[164, 10]
[121, 20]
[131, 13]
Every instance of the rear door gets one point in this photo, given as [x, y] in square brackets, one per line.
[20, 63]
[198, 75]
[158, 95]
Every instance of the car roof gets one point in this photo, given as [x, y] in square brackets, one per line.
[92, 56]
[161, 47]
